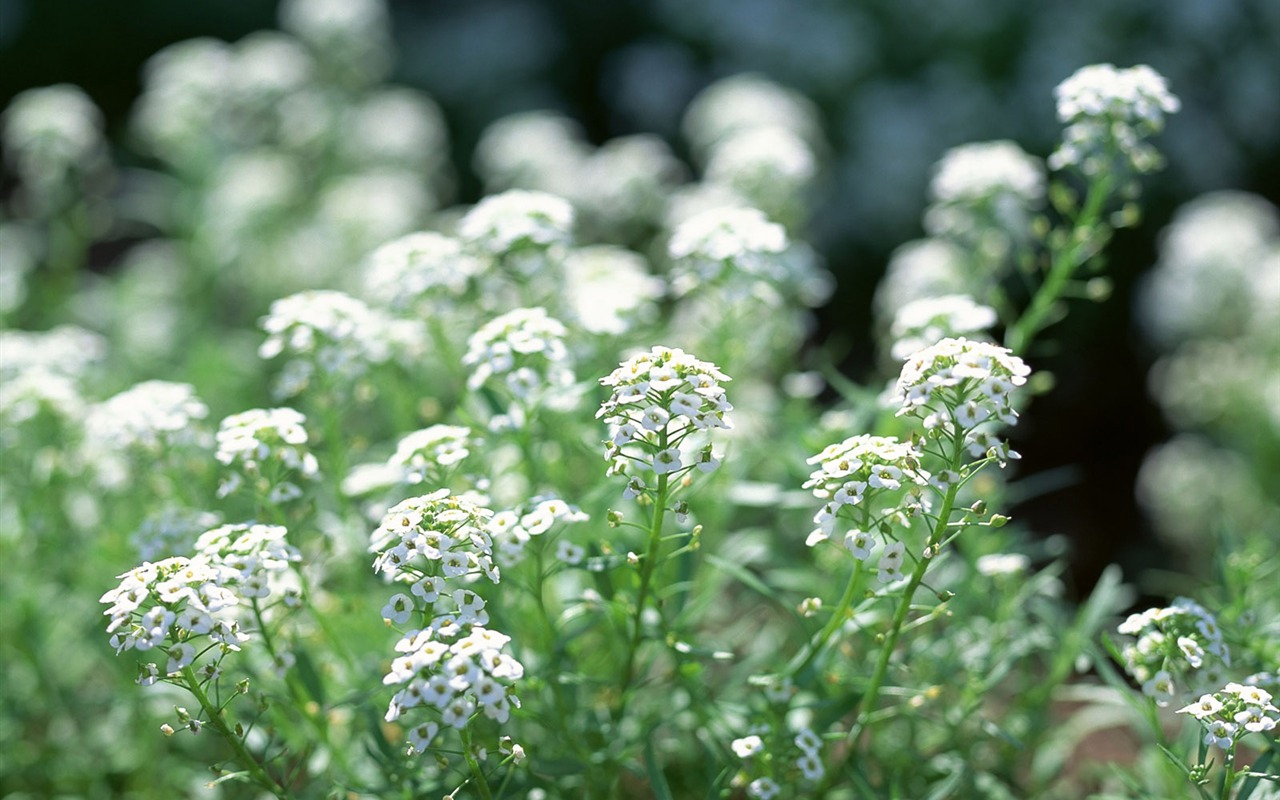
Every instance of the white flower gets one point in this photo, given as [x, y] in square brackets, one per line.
[747, 746]
[1206, 706]
[569, 552]
[1220, 734]
[398, 609]
[763, 789]
[525, 342]
[927, 320]
[1002, 564]
[724, 241]
[428, 451]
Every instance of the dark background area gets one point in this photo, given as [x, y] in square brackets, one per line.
[485, 58]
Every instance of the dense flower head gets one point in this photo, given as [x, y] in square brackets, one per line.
[326, 331]
[432, 539]
[541, 150]
[517, 220]
[410, 272]
[1177, 650]
[624, 185]
[926, 321]
[265, 446]
[429, 453]
[1233, 712]
[525, 348]
[151, 415]
[511, 529]
[983, 196]
[979, 170]
[455, 670]
[958, 383]
[722, 242]
[1106, 107]
[251, 556]
[170, 604]
[658, 400]
[853, 473]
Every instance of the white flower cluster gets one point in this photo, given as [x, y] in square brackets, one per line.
[983, 196]
[920, 269]
[457, 674]
[926, 321]
[517, 221]
[524, 347]
[428, 454]
[1110, 112]
[418, 272]
[807, 753]
[50, 132]
[266, 447]
[769, 167]
[152, 415]
[1218, 275]
[659, 399]
[322, 330]
[959, 384]
[512, 529]
[1233, 712]
[254, 555]
[609, 288]
[744, 103]
[434, 538]
[852, 474]
[726, 243]
[453, 663]
[66, 350]
[171, 604]
[1177, 651]
[980, 170]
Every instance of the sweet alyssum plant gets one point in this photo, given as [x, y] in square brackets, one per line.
[402, 568]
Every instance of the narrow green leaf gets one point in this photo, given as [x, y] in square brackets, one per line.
[657, 780]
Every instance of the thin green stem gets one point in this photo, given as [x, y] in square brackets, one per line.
[477, 774]
[243, 756]
[647, 568]
[1063, 265]
[838, 618]
[871, 697]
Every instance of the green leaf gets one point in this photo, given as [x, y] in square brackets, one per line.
[305, 669]
[657, 780]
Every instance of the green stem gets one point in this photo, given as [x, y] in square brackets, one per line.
[477, 774]
[871, 697]
[838, 618]
[1063, 265]
[219, 724]
[647, 568]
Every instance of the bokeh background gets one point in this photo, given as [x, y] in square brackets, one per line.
[897, 82]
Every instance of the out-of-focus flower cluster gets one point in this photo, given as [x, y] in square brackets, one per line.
[267, 448]
[1211, 305]
[1177, 650]
[1110, 113]
[525, 350]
